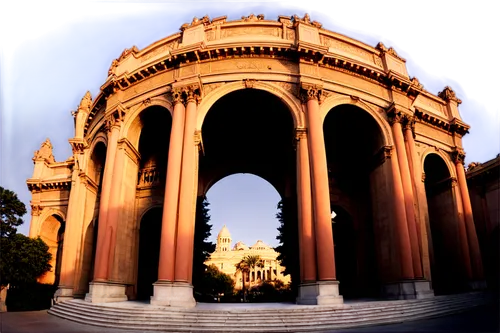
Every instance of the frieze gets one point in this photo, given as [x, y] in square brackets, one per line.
[210, 35]
[167, 47]
[239, 31]
[208, 88]
[149, 84]
[339, 45]
[290, 34]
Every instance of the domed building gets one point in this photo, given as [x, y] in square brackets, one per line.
[225, 259]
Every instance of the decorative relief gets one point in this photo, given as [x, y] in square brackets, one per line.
[449, 95]
[306, 20]
[290, 34]
[126, 52]
[310, 92]
[149, 84]
[290, 87]
[186, 94]
[45, 152]
[339, 45]
[240, 31]
[195, 22]
[472, 165]
[286, 20]
[380, 46]
[210, 35]
[253, 18]
[208, 88]
[458, 155]
[378, 61]
[249, 83]
[36, 210]
[163, 48]
[415, 83]
[151, 176]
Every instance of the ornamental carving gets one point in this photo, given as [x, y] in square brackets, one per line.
[415, 83]
[112, 68]
[36, 210]
[186, 94]
[45, 152]
[380, 46]
[409, 124]
[84, 106]
[240, 31]
[306, 20]
[458, 156]
[449, 95]
[126, 52]
[253, 18]
[114, 119]
[472, 165]
[195, 22]
[208, 88]
[300, 133]
[249, 83]
[310, 92]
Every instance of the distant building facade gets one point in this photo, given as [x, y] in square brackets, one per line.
[226, 257]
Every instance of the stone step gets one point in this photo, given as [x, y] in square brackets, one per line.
[302, 327]
[225, 326]
[215, 316]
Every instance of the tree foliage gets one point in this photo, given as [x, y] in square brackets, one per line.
[216, 282]
[23, 259]
[289, 240]
[11, 211]
[202, 247]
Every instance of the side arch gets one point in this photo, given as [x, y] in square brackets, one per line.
[46, 213]
[446, 159]
[292, 103]
[337, 100]
[132, 125]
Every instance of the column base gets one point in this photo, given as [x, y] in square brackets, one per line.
[412, 289]
[477, 285]
[106, 292]
[320, 293]
[63, 294]
[175, 294]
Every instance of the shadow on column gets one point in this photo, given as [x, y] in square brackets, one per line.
[149, 252]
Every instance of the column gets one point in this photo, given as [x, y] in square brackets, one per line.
[402, 235]
[306, 230]
[171, 199]
[185, 226]
[462, 232]
[320, 189]
[475, 253]
[101, 263]
[407, 193]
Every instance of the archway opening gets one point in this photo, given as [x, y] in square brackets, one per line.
[446, 261]
[153, 147]
[52, 233]
[248, 131]
[149, 252]
[353, 141]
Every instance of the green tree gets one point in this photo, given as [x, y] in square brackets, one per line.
[202, 248]
[216, 282]
[289, 239]
[11, 211]
[244, 269]
[23, 260]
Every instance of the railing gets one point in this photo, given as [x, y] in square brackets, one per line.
[150, 177]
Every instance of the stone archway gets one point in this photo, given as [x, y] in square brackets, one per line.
[52, 233]
[446, 262]
[353, 141]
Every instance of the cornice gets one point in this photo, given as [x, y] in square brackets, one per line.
[38, 185]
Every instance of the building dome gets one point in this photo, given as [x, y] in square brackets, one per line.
[224, 232]
[240, 246]
[260, 245]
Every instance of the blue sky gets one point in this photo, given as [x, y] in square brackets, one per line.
[52, 52]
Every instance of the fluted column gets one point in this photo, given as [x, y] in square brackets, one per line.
[306, 229]
[171, 199]
[187, 197]
[101, 259]
[475, 253]
[397, 133]
[402, 235]
[320, 189]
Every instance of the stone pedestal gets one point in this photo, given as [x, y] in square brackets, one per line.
[477, 285]
[320, 293]
[106, 292]
[414, 289]
[175, 294]
[63, 294]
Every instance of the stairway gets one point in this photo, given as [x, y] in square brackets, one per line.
[290, 318]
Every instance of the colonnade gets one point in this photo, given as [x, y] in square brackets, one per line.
[317, 258]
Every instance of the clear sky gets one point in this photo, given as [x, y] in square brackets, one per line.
[52, 52]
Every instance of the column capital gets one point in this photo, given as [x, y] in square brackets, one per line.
[409, 124]
[458, 156]
[186, 94]
[300, 133]
[309, 92]
[114, 118]
[36, 210]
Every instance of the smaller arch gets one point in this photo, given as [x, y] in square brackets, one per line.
[47, 212]
[98, 138]
[291, 102]
[446, 159]
[132, 126]
[337, 100]
[146, 210]
[218, 178]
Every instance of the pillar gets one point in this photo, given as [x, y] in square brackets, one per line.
[101, 289]
[462, 232]
[306, 229]
[325, 290]
[402, 158]
[170, 203]
[475, 253]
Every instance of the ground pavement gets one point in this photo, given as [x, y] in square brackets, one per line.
[480, 319]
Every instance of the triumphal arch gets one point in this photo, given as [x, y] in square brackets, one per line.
[330, 122]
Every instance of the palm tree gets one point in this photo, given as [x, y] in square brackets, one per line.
[247, 264]
[243, 268]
